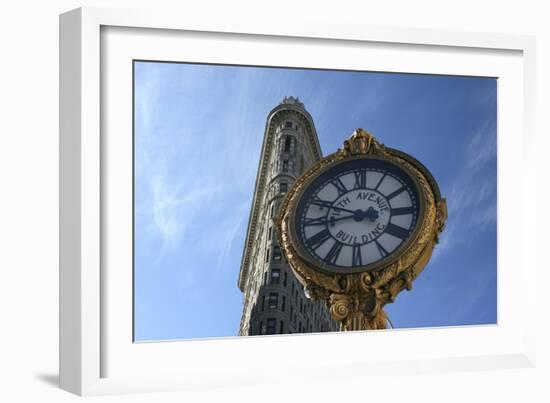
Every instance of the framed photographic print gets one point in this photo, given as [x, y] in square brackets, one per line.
[217, 218]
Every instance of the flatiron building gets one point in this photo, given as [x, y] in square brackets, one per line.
[274, 300]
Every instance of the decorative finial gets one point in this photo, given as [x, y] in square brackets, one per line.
[362, 142]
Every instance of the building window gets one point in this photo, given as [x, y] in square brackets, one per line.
[262, 327]
[285, 166]
[285, 279]
[288, 124]
[275, 276]
[270, 328]
[269, 233]
[300, 327]
[281, 327]
[267, 256]
[301, 305]
[283, 304]
[263, 302]
[272, 212]
[276, 253]
[288, 142]
[293, 287]
[273, 300]
[283, 187]
[265, 277]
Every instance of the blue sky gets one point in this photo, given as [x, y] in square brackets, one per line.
[198, 135]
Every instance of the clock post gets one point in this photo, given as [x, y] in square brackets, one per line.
[359, 226]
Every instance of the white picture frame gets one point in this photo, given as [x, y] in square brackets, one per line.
[96, 354]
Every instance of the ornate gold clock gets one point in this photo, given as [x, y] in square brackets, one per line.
[359, 226]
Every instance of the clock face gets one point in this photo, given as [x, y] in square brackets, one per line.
[357, 215]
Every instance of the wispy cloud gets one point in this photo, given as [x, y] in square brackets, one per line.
[193, 193]
[173, 209]
[482, 148]
[445, 244]
[228, 231]
[471, 200]
[147, 101]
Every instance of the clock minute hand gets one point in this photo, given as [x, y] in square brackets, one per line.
[343, 209]
[324, 220]
[331, 220]
[327, 204]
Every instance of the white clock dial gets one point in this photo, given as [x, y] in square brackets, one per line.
[357, 214]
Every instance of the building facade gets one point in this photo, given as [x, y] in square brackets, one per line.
[274, 300]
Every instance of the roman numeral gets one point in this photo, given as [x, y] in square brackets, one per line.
[397, 231]
[379, 182]
[393, 194]
[321, 203]
[318, 239]
[402, 210]
[337, 183]
[360, 179]
[383, 252]
[357, 259]
[316, 221]
[333, 253]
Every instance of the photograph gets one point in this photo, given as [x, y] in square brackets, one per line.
[270, 200]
